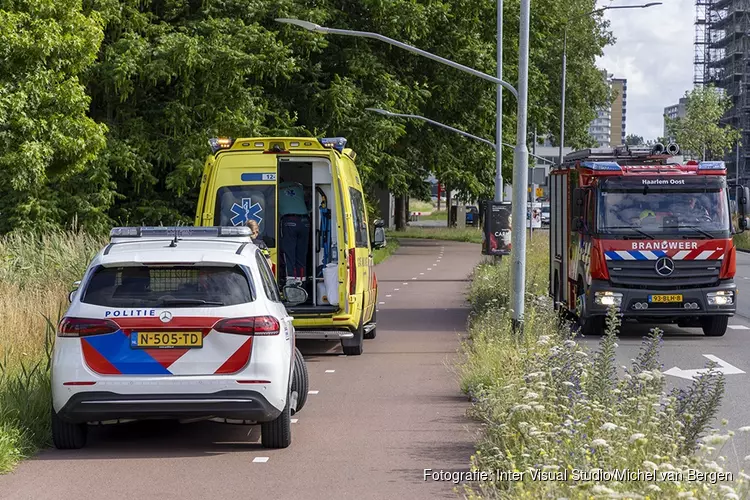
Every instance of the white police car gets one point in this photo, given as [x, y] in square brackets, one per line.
[177, 323]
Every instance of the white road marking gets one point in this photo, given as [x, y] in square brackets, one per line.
[739, 327]
[723, 367]
[381, 303]
[330, 371]
[342, 355]
[260, 460]
[387, 296]
[295, 420]
[429, 269]
[421, 274]
[313, 392]
[404, 283]
[414, 278]
[397, 289]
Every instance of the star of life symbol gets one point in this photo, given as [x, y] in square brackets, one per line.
[245, 212]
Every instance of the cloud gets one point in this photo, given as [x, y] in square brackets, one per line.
[654, 50]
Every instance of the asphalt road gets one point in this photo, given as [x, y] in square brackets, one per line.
[687, 348]
[371, 425]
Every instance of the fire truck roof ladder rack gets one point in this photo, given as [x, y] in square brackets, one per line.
[620, 152]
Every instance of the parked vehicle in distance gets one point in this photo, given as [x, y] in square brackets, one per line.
[195, 331]
[472, 215]
[243, 180]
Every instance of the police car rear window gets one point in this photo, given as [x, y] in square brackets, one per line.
[178, 286]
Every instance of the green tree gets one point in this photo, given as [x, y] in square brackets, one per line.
[634, 140]
[700, 131]
[47, 141]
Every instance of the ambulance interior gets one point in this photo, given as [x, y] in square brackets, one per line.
[321, 273]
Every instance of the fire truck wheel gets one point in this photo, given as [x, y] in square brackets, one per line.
[592, 326]
[715, 326]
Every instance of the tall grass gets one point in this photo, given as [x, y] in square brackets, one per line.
[549, 405]
[36, 273]
[469, 234]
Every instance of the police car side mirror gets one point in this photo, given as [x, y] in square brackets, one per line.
[744, 223]
[72, 293]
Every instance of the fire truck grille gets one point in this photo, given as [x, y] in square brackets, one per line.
[642, 274]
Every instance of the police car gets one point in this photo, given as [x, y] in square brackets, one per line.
[177, 323]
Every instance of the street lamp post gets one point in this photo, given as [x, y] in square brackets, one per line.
[565, 61]
[391, 114]
[520, 160]
[499, 110]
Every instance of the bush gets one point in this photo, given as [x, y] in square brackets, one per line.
[549, 405]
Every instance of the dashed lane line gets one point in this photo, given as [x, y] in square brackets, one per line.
[739, 327]
[260, 460]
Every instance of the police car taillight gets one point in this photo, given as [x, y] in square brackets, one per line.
[258, 325]
[85, 327]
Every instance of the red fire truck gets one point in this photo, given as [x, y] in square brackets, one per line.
[635, 229]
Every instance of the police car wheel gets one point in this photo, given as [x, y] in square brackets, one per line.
[278, 433]
[300, 380]
[67, 436]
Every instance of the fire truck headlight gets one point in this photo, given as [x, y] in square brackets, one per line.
[608, 299]
[721, 298]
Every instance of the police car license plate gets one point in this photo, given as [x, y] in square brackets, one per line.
[166, 340]
[664, 299]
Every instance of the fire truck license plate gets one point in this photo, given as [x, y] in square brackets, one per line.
[664, 298]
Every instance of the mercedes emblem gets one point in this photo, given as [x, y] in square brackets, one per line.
[165, 316]
[664, 266]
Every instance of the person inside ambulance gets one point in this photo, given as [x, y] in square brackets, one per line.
[294, 231]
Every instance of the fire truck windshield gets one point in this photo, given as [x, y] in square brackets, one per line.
[703, 213]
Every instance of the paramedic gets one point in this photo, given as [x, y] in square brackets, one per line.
[295, 231]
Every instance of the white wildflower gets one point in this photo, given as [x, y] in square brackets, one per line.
[650, 465]
[608, 426]
[599, 442]
[636, 437]
[653, 487]
[685, 494]
[744, 429]
[567, 383]
[713, 466]
[531, 395]
[646, 376]
[726, 488]
[666, 466]
[539, 407]
[569, 343]
[582, 354]
[732, 496]
[747, 458]
[602, 490]
[543, 339]
[716, 439]
[744, 476]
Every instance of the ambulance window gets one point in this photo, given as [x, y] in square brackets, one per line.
[235, 205]
[358, 215]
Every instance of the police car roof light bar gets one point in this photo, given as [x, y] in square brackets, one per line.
[179, 232]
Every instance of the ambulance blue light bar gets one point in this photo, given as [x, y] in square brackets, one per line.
[179, 232]
[608, 166]
[337, 143]
[712, 165]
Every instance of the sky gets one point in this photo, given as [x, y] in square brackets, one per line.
[654, 51]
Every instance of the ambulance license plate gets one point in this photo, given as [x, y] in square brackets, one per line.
[664, 299]
[166, 340]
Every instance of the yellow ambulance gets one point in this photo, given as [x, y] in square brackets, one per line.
[257, 179]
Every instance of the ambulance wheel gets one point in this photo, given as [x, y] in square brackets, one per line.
[300, 380]
[278, 433]
[715, 326]
[372, 333]
[355, 345]
[67, 436]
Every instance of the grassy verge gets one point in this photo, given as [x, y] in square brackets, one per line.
[742, 241]
[436, 215]
[469, 234]
[36, 273]
[420, 206]
[550, 405]
[380, 254]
